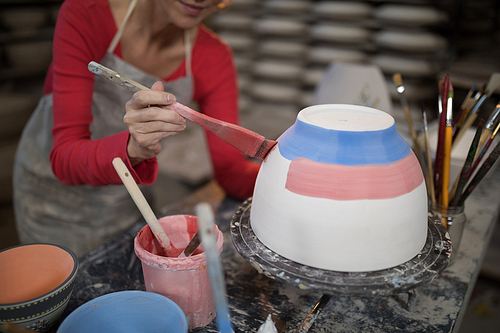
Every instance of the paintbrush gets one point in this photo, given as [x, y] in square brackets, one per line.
[308, 321]
[144, 207]
[466, 169]
[400, 88]
[492, 85]
[468, 105]
[461, 114]
[438, 161]
[216, 275]
[483, 170]
[246, 141]
[488, 129]
[430, 178]
[192, 246]
[485, 149]
[448, 135]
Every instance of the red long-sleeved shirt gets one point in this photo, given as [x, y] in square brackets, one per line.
[83, 33]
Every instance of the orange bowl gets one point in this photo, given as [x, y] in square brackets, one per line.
[36, 282]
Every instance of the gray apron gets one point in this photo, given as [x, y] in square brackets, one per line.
[80, 217]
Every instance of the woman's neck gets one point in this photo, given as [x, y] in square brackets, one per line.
[152, 43]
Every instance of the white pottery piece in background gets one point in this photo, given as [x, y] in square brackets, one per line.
[406, 66]
[289, 6]
[24, 18]
[412, 15]
[282, 48]
[411, 41]
[237, 41]
[231, 21]
[278, 69]
[280, 26]
[275, 92]
[328, 54]
[341, 191]
[15, 110]
[355, 84]
[313, 75]
[342, 9]
[336, 32]
[32, 57]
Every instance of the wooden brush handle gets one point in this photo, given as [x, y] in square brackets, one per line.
[142, 204]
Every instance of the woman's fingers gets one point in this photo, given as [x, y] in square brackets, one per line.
[149, 122]
[143, 98]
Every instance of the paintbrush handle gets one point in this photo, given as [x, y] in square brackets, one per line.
[429, 167]
[216, 275]
[192, 246]
[307, 323]
[483, 170]
[114, 77]
[481, 155]
[466, 169]
[246, 141]
[446, 166]
[484, 137]
[142, 204]
[468, 123]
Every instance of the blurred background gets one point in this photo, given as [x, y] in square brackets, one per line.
[283, 48]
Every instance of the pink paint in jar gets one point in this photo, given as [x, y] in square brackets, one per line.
[183, 280]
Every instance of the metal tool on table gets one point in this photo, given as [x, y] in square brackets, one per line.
[423, 268]
[246, 141]
[207, 234]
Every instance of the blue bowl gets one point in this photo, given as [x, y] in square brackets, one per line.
[127, 311]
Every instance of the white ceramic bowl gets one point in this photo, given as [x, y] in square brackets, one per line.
[341, 191]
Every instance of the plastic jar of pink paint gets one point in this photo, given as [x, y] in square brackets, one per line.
[183, 280]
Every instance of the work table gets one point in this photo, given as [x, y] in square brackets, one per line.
[438, 306]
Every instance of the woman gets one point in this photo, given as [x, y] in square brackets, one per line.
[66, 190]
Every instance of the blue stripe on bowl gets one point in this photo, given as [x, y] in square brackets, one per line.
[342, 147]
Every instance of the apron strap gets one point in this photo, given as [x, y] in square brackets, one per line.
[119, 33]
[187, 47]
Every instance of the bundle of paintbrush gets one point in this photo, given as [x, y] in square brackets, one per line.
[452, 125]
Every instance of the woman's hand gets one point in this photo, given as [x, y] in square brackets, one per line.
[148, 122]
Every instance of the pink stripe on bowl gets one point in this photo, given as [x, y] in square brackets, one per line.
[358, 182]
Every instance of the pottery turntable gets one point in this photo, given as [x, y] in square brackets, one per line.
[404, 278]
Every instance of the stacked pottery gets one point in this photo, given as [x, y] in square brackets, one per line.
[341, 191]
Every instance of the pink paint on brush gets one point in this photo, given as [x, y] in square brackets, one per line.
[358, 182]
[183, 280]
[245, 140]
